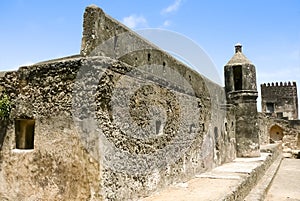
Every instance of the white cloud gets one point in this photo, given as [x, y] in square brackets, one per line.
[172, 8]
[134, 21]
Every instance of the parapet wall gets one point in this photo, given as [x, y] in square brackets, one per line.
[272, 90]
[104, 36]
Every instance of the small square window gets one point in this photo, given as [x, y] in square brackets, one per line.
[279, 114]
[24, 130]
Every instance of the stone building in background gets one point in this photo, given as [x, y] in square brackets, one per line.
[280, 100]
[279, 118]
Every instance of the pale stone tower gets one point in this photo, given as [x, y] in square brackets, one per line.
[241, 91]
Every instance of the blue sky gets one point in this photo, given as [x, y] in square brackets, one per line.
[34, 30]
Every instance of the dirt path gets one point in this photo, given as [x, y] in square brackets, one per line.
[286, 184]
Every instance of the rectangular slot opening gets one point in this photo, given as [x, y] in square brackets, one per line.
[24, 130]
[270, 107]
[279, 114]
[238, 78]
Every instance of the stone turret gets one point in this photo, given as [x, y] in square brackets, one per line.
[241, 91]
[240, 77]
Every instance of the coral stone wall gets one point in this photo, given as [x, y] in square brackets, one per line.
[119, 122]
[153, 130]
[59, 167]
[283, 131]
[106, 130]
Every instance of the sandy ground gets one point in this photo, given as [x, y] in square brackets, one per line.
[286, 184]
[197, 189]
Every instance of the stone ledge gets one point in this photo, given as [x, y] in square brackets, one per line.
[259, 192]
[231, 181]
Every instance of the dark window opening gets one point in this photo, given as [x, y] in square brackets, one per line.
[158, 125]
[149, 56]
[279, 114]
[216, 133]
[237, 77]
[199, 104]
[270, 107]
[217, 144]
[24, 130]
[164, 67]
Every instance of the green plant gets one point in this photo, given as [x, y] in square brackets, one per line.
[5, 107]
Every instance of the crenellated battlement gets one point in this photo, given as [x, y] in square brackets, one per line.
[279, 89]
[280, 84]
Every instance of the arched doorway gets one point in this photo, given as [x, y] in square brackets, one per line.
[276, 133]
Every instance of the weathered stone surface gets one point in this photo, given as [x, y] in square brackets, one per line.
[58, 167]
[125, 131]
[287, 129]
[230, 181]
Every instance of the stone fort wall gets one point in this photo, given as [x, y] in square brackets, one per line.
[110, 126]
[67, 162]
